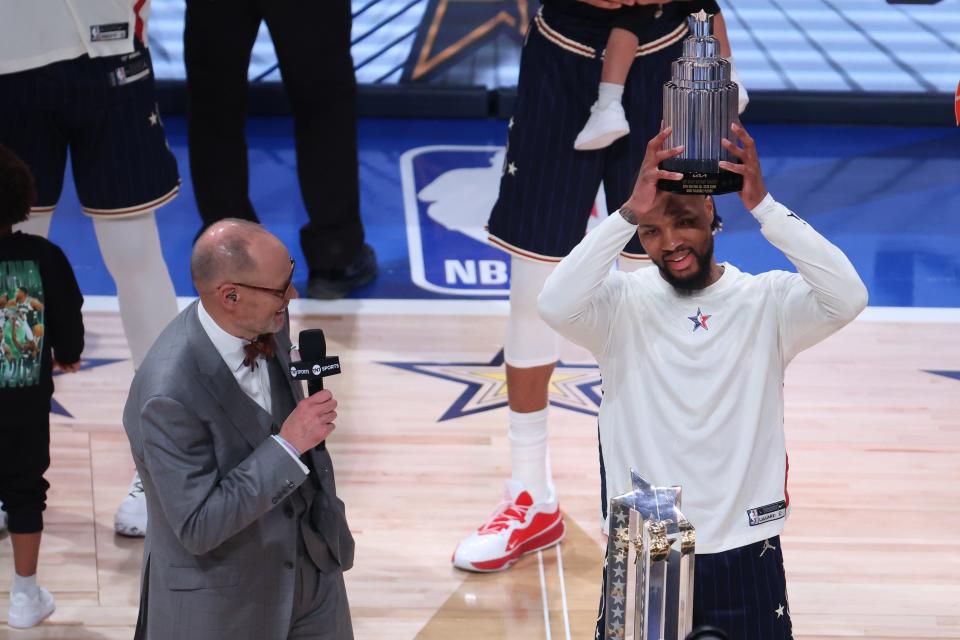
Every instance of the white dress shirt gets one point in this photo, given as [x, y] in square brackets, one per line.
[254, 382]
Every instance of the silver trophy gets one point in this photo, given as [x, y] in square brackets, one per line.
[646, 525]
[700, 103]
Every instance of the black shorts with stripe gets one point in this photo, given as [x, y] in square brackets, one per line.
[741, 591]
[104, 111]
[548, 189]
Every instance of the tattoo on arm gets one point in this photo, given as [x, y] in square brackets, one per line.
[628, 215]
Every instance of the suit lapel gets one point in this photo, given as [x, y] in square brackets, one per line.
[221, 383]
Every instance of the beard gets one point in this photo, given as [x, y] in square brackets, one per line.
[696, 281]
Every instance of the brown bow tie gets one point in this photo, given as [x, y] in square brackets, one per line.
[264, 344]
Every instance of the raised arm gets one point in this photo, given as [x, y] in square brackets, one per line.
[828, 293]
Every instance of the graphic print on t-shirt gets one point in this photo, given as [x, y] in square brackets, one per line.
[699, 320]
[21, 302]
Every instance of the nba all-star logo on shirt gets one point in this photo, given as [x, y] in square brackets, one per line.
[699, 320]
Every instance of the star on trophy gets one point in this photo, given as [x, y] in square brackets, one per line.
[700, 103]
[646, 524]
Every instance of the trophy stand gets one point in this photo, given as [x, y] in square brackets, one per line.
[700, 103]
[662, 553]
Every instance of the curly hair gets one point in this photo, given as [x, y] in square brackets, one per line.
[17, 190]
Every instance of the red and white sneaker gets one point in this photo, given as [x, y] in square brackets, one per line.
[518, 526]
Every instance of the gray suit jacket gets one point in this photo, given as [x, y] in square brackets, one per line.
[220, 546]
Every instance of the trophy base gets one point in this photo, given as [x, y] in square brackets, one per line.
[699, 179]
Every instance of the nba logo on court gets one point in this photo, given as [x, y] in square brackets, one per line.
[448, 192]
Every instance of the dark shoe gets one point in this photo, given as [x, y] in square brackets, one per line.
[332, 284]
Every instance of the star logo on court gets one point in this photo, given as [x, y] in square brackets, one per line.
[953, 375]
[575, 387]
[699, 320]
[90, 363]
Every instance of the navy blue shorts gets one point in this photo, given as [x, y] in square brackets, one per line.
[548, 189]
[741, 591]
[104, 111]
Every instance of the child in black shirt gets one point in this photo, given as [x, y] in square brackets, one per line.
[42, 329]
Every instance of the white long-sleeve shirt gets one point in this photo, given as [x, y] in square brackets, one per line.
[693, 383]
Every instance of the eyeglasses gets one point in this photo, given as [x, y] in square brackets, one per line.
[280, 293]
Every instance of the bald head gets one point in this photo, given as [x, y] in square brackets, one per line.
[229, 249]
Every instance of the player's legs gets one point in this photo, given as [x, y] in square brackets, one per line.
[530, 351]
[529, 517]
[546, 194]
[607, 121]
[217, 41]
[131, 250]
[124, 171]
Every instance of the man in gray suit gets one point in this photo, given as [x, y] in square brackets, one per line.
[247, 538]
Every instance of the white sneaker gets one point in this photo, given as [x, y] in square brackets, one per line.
[27, 612]
[517, 526]
[603, 128]
[3, 519]
[131, 518]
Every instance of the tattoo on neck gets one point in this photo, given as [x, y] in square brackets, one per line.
[628, 215]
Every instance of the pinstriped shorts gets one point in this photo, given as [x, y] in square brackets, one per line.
[104, 111]
[548, 189]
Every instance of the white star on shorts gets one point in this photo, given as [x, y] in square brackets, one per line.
[154, 118]
[779, 611]
[512, 169]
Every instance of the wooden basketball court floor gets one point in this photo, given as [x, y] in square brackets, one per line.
[872, 546]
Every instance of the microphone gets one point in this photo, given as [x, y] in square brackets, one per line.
[314, 365]
[313, 347]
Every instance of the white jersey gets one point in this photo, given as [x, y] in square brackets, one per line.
[693, 384]
[34, 33]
